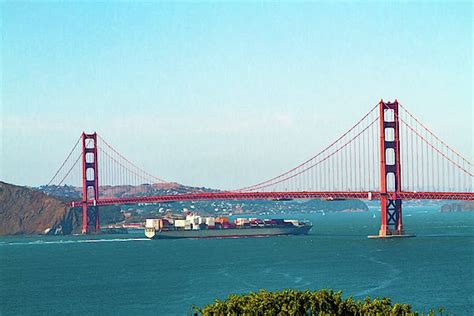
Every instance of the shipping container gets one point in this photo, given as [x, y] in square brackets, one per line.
[241, 221]
[222, 219]
[180, 223]
[210, 221]
[152, 222]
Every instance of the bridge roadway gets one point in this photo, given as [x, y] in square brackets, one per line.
[232, 195]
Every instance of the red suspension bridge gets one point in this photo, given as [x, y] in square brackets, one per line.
[387, 155]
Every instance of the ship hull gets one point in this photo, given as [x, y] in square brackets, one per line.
[231, 232]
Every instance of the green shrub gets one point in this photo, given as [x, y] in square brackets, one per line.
[293, 302]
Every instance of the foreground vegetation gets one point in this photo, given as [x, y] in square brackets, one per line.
[292, 302]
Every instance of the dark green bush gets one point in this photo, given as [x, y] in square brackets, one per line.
[292, 302]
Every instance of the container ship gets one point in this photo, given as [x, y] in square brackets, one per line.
[195, 226]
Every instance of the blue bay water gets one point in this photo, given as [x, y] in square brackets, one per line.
[122, 275]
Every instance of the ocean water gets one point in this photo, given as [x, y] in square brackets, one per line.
[123, 275]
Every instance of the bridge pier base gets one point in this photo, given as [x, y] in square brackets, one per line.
[84, 219]
[391, 220]
[391, 216]
[97, 220]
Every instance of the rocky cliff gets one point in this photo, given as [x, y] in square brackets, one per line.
[25, 210]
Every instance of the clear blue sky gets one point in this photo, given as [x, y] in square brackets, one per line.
[223, 94]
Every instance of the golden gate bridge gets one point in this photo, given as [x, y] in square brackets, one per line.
[387, 155]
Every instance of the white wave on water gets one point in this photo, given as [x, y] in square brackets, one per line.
[298, 281]
[113, 240]
[393, 275]
[228, 275]
[69, 241]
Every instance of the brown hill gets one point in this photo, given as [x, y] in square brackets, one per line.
[25, 210]
[71, 193]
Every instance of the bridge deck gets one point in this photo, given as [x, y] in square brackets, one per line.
[468, 196]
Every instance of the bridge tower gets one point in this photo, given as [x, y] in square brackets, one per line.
[390, 175]
[90, 179]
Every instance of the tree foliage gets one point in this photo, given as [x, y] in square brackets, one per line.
[293, 302]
